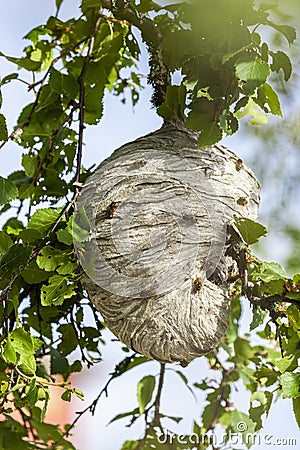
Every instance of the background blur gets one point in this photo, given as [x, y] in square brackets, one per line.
[273, 154]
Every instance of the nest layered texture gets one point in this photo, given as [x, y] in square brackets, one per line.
[157, 257]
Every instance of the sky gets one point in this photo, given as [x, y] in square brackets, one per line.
[120, 124]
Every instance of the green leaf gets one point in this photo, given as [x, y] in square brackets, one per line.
[56, 291]
[64, 84]
[25, 62]
[264, 398]
[58, 3]
[270, 271]
[14, 226]
[79, 394]
[281, 61]
[32, 394]
[5, 242]
[69, 339]
[252, 109]
[8, 190]
[258, 317]
[40, 224]
[296, 278]
[25, 345]
[66, 396]
[273, 287]
[129, 363]
[130, 445]
[65, 237]
[267, 96]
[253, 71]
[135, 412]
[8, 78]
[68, 268]
[48, 432]
[54, 184]
[9, 354]
[16, 256]
[229, 123]
[80, 226]
[293, 295]
[243, 350]
[208, 414]
[51, 259]
[174, 105]
[266, 376]
[32, 274]
[259, 396]
[93, 102]
[290, 383]
[76, 366]
[255, 414]
[25, 342]
[289, 363]
[59, 364]
[287, 31]
[210, 135]
[89, 4]
[165, 111]
[12, 436]
[145, 391]
[184, 42]
[201, 115]
[30, 164]
[296, 408]
[148, 5]
[3, 128]
[250, 230]
[241, 423]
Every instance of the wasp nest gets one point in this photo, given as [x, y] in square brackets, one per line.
[157, 212]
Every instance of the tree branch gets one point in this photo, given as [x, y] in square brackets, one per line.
[92, 406]
[156, 418]
[159, 76]
[81, 81]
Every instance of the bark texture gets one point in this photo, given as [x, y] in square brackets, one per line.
[157, 258]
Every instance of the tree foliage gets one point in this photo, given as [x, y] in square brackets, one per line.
[225, 63]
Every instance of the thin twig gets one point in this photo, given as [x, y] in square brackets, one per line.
[156, 418]
[83, 356]
[159, 76]
[91, 408]
[221, 398]
[4, 296]
[81, 81]
[42, 382]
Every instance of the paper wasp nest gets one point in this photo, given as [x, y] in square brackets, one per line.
[156, 256]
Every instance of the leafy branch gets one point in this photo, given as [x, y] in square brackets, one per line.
[159, 76]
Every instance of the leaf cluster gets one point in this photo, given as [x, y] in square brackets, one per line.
[67, 67]
[225, 64]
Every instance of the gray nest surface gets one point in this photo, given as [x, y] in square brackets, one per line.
[159, 271]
